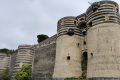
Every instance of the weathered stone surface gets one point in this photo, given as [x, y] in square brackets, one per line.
[68, 46]
[104, 78]
[101, 48]
[103, 41]
[44, 60]
[12, 64]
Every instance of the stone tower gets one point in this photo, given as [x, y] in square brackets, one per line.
[68, 47]
[103, 41]
[23, 56]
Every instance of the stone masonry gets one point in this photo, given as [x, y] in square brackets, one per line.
[44, 59]
[87, 45]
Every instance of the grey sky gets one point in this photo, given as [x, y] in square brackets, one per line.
[22, 20]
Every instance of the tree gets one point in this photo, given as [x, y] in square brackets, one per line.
[7, 51]
[24, 73]
[41, 37]
[4, 75]
[4, 50]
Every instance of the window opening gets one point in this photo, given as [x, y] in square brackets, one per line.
[68, 57]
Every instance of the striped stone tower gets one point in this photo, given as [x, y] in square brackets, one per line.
[68, 46]
[103, 41]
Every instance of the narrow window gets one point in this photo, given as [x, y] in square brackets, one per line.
[75, 22]
[78, 44]
[84, 42]
[68, 57]
[92, 54]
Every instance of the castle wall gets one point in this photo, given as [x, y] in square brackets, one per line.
[73, 52]
[44, 59]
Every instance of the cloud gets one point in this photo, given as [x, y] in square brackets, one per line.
[22, 20]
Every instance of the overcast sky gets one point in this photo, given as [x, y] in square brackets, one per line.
[22, 20]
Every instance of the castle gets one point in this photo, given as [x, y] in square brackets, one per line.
[92, 37]
[88, 43]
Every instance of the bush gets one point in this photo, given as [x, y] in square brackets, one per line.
[24, 73]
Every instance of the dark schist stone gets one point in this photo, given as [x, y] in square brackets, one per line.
[44, 62]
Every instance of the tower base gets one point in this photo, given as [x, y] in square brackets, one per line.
[103, 78]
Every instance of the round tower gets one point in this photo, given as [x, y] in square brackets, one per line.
[68, 55]
[103, 41]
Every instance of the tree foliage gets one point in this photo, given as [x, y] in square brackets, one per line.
[7, 51]
[41, 37]
[4, 50]
[24, 73]
[4, 75]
